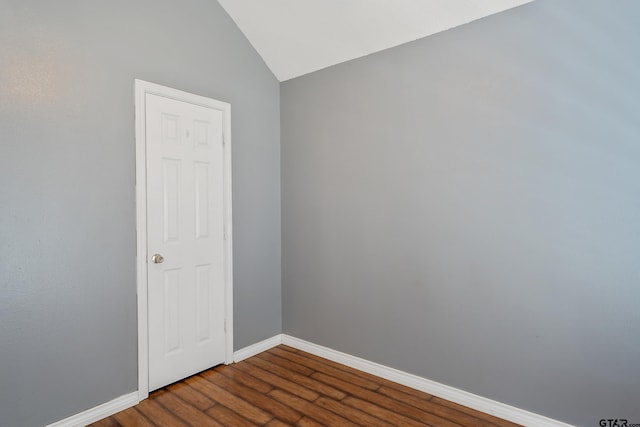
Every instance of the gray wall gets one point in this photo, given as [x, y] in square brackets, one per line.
[67, 203]
[466, 208]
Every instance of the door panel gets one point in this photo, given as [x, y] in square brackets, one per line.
[185, 224]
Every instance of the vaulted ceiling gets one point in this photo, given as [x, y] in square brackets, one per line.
[296, 37]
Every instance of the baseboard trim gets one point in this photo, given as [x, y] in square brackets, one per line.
[128, 400]
[482, 404]
[99, 412]
[470, 400]
[257, 348]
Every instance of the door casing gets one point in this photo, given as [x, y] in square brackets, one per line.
[141, 89]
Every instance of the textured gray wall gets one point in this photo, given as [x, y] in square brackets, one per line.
[67, 203]
[466, 208]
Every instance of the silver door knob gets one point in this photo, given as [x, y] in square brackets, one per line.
[157, 259]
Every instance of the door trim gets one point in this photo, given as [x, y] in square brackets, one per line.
[141, 89]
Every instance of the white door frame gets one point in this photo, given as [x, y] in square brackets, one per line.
[141, 89]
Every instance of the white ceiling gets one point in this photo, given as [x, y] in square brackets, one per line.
[296, 37]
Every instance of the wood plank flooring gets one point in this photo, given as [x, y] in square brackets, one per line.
[288, 387]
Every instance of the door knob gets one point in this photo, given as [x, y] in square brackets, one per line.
[157, 259]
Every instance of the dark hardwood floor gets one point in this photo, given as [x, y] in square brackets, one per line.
[287, 387]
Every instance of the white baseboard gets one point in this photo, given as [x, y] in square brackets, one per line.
[99, 412]
[256, 348]
[479, 403]
[128, 400]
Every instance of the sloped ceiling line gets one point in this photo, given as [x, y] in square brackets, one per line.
[296, 37]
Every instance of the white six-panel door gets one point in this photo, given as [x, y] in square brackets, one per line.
[185, 238]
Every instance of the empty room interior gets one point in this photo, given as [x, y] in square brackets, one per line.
[320, 212]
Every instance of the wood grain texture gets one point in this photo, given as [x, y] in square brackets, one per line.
[131, 417]
[191, 396]
[227, 417]
[288, 387]
[260, 400]
[158, 414]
